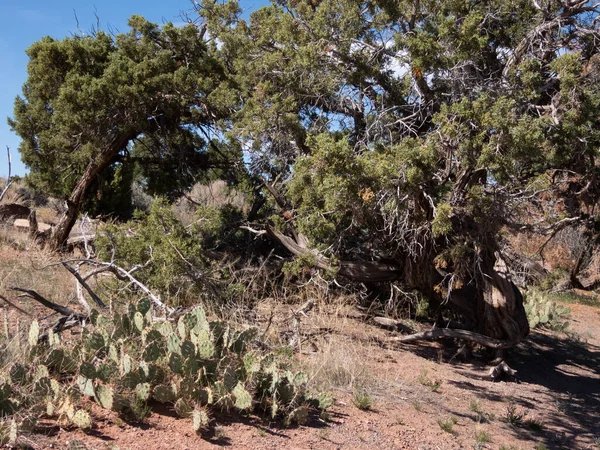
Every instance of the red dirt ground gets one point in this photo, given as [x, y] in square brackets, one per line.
[557, 388]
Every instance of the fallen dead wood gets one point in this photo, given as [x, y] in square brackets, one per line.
[22, 311]
[84, 284]
[63, 310]
[69, 317]
[500, 370]
[437, 333]
[368, 271]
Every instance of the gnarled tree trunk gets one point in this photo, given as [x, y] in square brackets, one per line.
[493, 309]
[61, 231]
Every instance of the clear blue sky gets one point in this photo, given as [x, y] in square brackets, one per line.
[24, 22]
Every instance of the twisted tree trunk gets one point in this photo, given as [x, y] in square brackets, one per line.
[492, 309]
[105, 157]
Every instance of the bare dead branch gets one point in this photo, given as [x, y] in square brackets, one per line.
[437, 333]
[356, 271]
[48, 304]
[14, 306]
[9, 179]
[86, 286]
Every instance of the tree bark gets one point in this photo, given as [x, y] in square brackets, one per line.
[61, 231]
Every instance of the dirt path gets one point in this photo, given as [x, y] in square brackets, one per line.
[554, 403]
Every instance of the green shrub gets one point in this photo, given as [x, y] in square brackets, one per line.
[447, 425]
[362, 400]
[171, 257]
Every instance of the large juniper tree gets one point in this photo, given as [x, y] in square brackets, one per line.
[403, 137]
[93, 104]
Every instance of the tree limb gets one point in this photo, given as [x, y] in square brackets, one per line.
[86, 286]
[368, 271]
[48, 304]
[8, 180]
[437, 333]
[14, 306]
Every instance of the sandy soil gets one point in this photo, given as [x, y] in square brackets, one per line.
[414, 388]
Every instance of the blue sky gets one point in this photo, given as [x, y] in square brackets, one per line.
[23, 23]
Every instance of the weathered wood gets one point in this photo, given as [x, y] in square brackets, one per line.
[500, 370]
[437, 333]
[86, 286]
[48, 304]
[357, 271]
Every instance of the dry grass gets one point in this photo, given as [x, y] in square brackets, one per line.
[216, 194]
[34, 269]
[338, 364]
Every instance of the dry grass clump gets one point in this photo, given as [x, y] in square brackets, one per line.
[338, 363]
[215, 194]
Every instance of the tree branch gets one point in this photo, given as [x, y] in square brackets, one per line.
[86, 286]
[8, 180]
[437, 333]
[48, 304]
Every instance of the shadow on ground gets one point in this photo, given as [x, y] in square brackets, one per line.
[566, 367]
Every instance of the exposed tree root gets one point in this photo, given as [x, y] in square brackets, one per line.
[500, 370]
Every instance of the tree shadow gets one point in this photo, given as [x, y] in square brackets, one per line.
[567, 367]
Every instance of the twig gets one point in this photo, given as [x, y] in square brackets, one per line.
[15, 306]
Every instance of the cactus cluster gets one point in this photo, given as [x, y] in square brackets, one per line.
[542, 312]
[127, 361]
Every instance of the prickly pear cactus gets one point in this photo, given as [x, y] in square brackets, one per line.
[124, 361]
[200, 420]
[82, 419]
[243, 398]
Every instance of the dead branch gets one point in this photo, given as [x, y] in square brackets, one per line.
[310, 304]
[501, 369]
[86, 286]
[125, 275]
[64, 323]
[437, 333]
[63, 310]
[14, 306]
[356, 271]
[9, 179]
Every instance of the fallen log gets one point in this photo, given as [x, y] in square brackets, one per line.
[437, 333]
[367, 271]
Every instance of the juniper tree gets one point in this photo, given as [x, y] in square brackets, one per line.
[402, 138]
[93, 104]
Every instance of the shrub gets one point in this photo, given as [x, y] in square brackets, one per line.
[362, 400]
[447, 425]
[170, 257]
